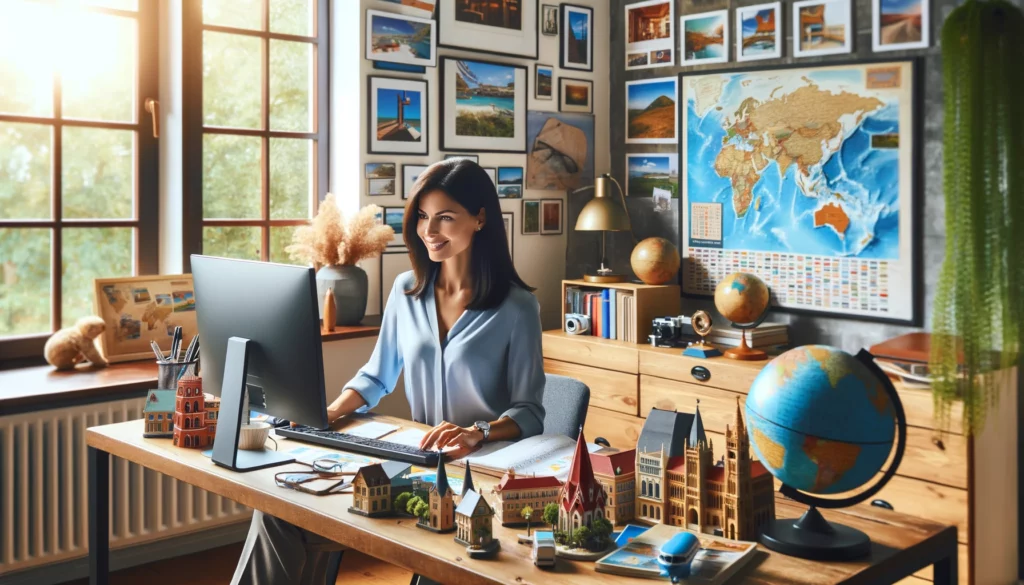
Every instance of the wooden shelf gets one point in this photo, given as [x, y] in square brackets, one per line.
[649, 301]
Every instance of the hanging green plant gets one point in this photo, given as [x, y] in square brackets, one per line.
[979, 304]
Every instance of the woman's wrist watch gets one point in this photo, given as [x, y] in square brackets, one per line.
[484, 427]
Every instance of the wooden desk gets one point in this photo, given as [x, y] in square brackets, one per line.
[901, 544]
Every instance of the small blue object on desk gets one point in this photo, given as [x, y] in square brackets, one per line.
[701, 350]
[675, 556]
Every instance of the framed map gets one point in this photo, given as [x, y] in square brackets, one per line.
[140, 309]
[807, 177]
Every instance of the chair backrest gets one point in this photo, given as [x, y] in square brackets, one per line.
[565, 405]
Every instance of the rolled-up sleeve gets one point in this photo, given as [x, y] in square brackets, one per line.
[378, 377]
[526, 372]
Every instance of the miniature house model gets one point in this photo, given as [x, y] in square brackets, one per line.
[473, 520]
[582, 498]
[513, 493]
[371, 491]
[615, 471]
[159, 414]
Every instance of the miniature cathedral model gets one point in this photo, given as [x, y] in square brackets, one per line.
[582, 498]
[441, 516]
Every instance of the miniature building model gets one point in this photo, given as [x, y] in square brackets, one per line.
[190, 414]
[371, 491]
[212, 405]
[442, 506]
[582, 499]
[616, 472]
[473, 520]
[159, 414]
[663, 436]
[513, 493]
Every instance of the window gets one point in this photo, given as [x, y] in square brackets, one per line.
[78, 194]
[255, 124]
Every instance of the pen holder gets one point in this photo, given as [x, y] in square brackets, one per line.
[168, 373]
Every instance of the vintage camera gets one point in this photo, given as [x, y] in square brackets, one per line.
[668, 331]
[577, 323]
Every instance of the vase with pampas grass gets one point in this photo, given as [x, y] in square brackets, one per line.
[334, 244]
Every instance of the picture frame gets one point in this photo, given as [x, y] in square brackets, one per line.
[576, 47]
[510, 182]
[700, 43]
[650, 34]
[493, 174]
[425, 8]
[752, 18]
[888, 13]
[575, 95]
[560, 155]
[409, 175]
[482, 117]
[380, 178]
[647, 171]
[473, 157]
[399, 67]
[508, 218]
[398, 115]
[550, 217]
[531, 217]
[543, 82]
[549, 20]
[382, 44]
[510, 33]
[140, 309]
[651, 110]
[834, 37]
[393, 217]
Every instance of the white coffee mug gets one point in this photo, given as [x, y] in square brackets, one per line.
[253, 436]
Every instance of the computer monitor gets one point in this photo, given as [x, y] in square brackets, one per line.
[259, 330]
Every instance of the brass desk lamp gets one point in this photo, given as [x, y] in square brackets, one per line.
[604, 214]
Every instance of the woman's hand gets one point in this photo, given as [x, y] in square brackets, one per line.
[446, 434]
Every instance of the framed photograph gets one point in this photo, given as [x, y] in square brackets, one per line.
[425, 8]
[400, 39]
[483, 106]
[705, 38]
[508, 218]
[758, 32]
[550, 216]
[510, 182]
[505, 27]
[140, 309]
[409, 175]
[561, 150]
[380, 179]
[493, 174]
[575, 95]
[531, 217]
[393, 217]
[651, 111]
[549, 20]
[650, 40]
[864, 139]
[543, 81]
[398, 116]
[473, 157]
[576, 48]
[822, 27]
[647, 173]
[899, 24]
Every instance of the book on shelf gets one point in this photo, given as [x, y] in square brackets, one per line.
[540, 455]
[716, 561]
[611, 311]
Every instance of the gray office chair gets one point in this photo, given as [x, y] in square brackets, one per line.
[565, 411]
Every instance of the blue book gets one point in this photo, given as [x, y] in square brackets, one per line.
[606, 327]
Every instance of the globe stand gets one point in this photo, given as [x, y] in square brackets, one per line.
[744, 351]
[813, 537]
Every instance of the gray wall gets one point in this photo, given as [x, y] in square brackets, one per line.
[845, 333]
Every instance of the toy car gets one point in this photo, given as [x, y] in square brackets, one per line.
[676, 555]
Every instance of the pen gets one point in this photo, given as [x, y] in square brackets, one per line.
[191, 348]
[175, 343]
[157, 351]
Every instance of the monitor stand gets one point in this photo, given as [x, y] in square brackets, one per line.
[225, 444]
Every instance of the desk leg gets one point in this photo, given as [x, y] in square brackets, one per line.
[99, 517]
[946, 571]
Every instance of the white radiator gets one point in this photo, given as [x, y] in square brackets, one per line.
[44, 514]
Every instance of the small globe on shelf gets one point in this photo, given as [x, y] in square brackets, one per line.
[655, 261]
[743, 299]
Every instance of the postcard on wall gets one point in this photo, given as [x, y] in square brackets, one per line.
[380, 178]
[561, 150]
[140, 309]
[705, 38]
[510, 182]
[650, 41]
[504, 27]
[400, 39]
[398, 116]
[821, 208]
[646, 173]
[651, 111]
[821, 27]
[758, 32]
[576, 48]
[483, 106]
[899, 24]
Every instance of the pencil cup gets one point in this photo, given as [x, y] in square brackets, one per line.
[168, 373]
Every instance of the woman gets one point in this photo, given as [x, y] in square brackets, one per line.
[465, 328]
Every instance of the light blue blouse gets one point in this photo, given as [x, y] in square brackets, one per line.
[490, 366]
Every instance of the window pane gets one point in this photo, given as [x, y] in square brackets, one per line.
[26, 58]
[281, 238]
[231, 176]
[231, 81]
[90, 253]
[236, 13]
[291, 178]
[292, 17]
[291, 97]
[232, 242]
[98, 173]
[98, 64]
[132, 5]
[25, 159]
[24, 281]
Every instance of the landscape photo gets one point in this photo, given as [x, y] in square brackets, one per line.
[380, 187]
[651, 111]
[647, 172]
[510, 182]
[507, 14]
[577, 95]
[706, 37]
[757, 32]
[900, 24]
[380, 170]
[821, 28]
[577, 38]
[398, 115]
[393, 217]
[485, 102]
[531, 217]
[400, 39]
[543, 82]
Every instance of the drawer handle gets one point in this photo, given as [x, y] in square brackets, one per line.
[882, 504]
[938, 443]
[700, 373]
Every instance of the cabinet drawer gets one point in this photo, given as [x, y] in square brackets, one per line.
[608, 389]
[723, 372]
[920, 409]
[621, 430]
[717, 407]
[934, 502]
[926, 573]
[591, 351]
[942, 461]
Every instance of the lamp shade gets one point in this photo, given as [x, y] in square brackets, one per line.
[602, 213]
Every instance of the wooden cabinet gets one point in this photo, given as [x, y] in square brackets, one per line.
[948, 478]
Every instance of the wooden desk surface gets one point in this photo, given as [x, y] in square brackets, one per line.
[901, 543]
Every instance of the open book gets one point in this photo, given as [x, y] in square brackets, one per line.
[540, 455]
[716, 561]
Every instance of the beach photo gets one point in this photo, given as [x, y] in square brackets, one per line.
[506, 14]
[821, 27]
[381, 170]
[501, 27]
[531, 218]
[577, 46]
[483, 106]
[649, 30]
[647, 172]
[651, 111]
[575, 95]
[543, 82]
[510, 182]
[549, 20]
[397, 112]
[757, 32]
[378, 187]
[550, 216]
[400, 39]
[705, 38]
[899, 24]
[393, 217]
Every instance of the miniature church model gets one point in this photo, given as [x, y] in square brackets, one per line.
[442, 506]
[582, 498]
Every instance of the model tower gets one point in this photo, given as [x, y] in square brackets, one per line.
[190, 414]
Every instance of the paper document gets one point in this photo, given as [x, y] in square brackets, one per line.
[542, 455]
[371, 430]
[350, 461]
[409, 437]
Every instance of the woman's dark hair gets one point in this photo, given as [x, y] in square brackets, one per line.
[490, 262]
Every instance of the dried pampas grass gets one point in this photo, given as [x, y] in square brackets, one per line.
[334, 239]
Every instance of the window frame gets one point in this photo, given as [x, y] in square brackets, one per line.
[193, 129]
[28, 349]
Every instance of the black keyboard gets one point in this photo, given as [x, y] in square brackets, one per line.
[362, 445]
